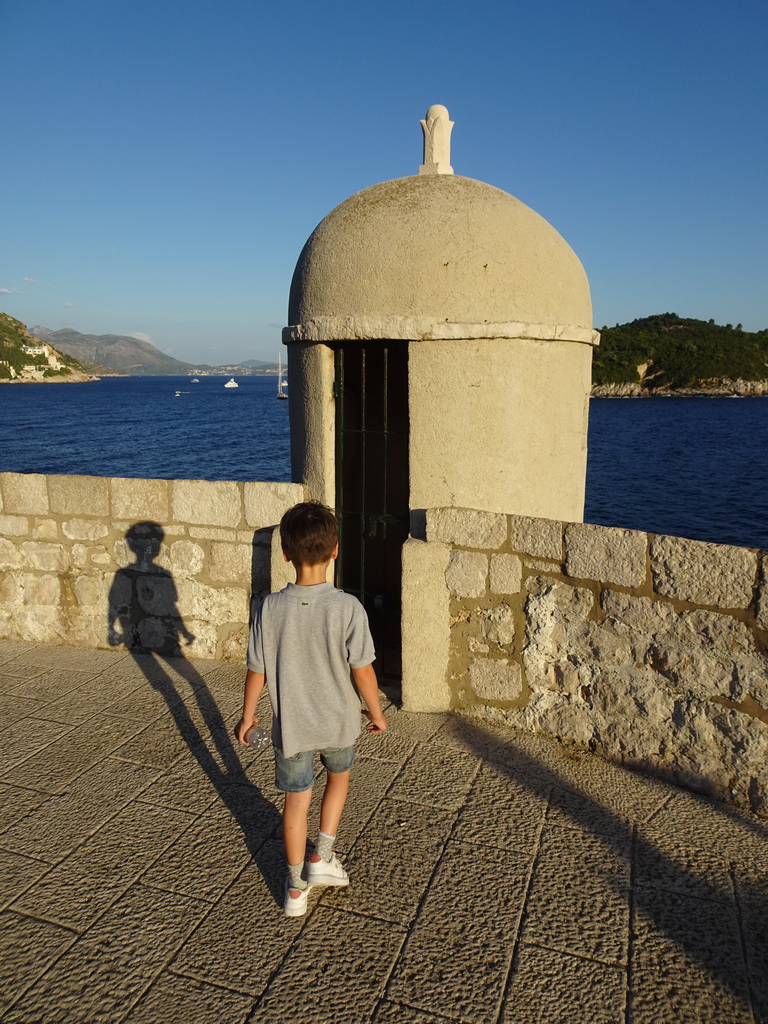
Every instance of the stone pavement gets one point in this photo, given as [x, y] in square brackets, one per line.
[495, 875]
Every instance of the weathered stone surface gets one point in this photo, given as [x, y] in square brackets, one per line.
[231, 563]
[426, 633]
[45, 529]
[306, 988]
[25, 493]
[579, 897]
[79, 495]
[212, 604]
[498, 624]
[542, 538]
[172, 998]
[495, 679]
[467, 527]
[688, 952]
[29, 948]
[10, 555]
[48, 557]
[39, 590]
[503, 812]
[207, 502]
[761, 609]
[550, 986]
[435, 776]
[186, 558]
[708, 574]
[84, 529]
[605, 553]
[140, 499]
[506, 574]
[467, 573]
[266, 503]
[433, 975]
[14, 526]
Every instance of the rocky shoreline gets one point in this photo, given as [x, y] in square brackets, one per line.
[723, 388]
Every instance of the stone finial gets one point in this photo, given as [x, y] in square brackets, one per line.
[437, 141]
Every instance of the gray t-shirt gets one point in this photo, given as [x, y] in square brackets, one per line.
[306, 640]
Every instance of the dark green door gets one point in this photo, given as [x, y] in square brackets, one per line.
[372, 485]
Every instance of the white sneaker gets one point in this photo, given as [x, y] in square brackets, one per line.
[295, 906]
[326, 872]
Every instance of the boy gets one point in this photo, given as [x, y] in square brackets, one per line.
[305, 641]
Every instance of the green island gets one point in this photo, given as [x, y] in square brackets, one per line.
[668, 354]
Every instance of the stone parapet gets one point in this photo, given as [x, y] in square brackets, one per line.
[149, 564]
[650, 650]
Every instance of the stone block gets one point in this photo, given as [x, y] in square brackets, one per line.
[542, 538]
[40, 590]
[84, 529]
[25, 493]
[140, 499]
[186, 558]
[207, 502]
[761, 607]
[496, 679]
[426, 633]
[265, 503]
[90, 592]
[10, 555]
[14, 526]
[467, 527]
[498, 624]
[79, 495]
[231, 563]
[467, 573]
[637, 613]
[45, 529]
[43, 624]
[708, 574]
[606, 554]
[506, 574]
[211, 604]
[47, 557]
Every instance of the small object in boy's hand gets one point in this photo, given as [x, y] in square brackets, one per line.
[257, 738]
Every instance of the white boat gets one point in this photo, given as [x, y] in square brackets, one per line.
[231, 383]
[194, 381]
[280, 382]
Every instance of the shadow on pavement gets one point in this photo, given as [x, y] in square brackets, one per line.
[143, 616]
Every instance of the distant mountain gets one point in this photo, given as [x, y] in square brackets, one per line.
[666, 352]
[258, 364]
[117, 352]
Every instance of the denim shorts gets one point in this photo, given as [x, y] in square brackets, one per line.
[297, 774]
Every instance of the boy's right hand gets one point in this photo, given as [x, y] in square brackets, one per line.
[378, 721]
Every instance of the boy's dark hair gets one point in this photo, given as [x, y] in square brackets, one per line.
[308, 533]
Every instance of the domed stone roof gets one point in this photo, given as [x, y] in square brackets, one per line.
[437, 255]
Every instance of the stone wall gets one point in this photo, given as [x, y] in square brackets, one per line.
[649, 650]
[159, 564]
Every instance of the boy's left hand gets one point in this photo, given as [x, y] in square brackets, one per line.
[242, 728]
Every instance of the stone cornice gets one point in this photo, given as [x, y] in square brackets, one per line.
[365, 328]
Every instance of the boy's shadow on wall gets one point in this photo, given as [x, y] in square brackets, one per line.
[143, 616]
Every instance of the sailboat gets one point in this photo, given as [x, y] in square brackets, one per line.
[280, 381]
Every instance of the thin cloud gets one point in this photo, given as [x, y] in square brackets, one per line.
[140, 336]
[9, 291]
[69, 305]
[30, 280]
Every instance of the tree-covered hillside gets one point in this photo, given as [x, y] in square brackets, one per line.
[668, 351]
[14, 336]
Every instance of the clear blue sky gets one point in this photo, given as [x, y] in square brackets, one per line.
[165, 162]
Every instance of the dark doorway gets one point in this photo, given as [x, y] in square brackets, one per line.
[372, 486]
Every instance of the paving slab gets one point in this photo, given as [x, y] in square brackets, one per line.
[497, 877]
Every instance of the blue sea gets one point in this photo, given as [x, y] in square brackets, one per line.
[691, 467]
